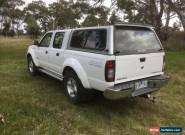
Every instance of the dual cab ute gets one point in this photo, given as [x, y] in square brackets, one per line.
[119, 60]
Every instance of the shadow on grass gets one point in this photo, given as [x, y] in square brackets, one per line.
[100, 104]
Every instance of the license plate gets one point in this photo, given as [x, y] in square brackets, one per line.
[141, 84]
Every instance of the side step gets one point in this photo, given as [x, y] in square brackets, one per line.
[50, 73]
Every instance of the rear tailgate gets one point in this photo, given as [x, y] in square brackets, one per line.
[138, 53]
[137, 66]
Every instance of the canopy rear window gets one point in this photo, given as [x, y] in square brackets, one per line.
[135, 40]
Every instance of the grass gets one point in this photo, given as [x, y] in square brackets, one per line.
[37, 105]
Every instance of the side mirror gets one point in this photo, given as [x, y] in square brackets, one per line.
[36, 42]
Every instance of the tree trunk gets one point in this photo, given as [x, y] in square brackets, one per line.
[156, 15]
[166, 31]
[167, 18]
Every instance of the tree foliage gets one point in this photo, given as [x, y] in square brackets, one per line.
[178, 7]
[96, 16]
[64, 14]
[10, 13]
[114, 18]
[71, 13]
[38, 11]
[32, 27]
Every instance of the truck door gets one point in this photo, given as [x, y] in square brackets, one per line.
[56, 52]
[43, 50]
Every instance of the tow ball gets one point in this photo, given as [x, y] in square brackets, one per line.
[149, 97]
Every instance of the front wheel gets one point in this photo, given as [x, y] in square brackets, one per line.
[31, 67]
[75, 90]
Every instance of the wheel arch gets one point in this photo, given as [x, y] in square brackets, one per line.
[28, 55]
[31, 54]
[73, 65]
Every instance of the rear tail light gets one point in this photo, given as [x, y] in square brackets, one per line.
[110, 71]
[164, 62]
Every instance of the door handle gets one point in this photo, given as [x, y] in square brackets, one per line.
[142, 59]
[46, 52]
[57, 54]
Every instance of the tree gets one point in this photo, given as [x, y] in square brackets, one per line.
[73, 14]
[32, 27]
[92, 15]
[114, 18]
[178, 6]
[143, 11]
[8, 11]
[96, 16]
[18, 21]
[2, 3]
[6, 27]
[166, 29]
[65, 14]
[38, 11]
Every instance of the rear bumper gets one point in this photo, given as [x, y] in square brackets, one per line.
[128, 89]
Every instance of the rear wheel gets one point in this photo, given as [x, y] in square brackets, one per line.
[75, 90]
[31, 67]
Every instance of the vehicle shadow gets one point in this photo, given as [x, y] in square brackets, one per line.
[102, 105]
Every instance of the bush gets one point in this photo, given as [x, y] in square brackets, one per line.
[175, 42]
[11, 33]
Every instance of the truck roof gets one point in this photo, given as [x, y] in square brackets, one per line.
[106, 26]
[134, 24]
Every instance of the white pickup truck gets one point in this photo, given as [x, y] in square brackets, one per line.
[119, 60]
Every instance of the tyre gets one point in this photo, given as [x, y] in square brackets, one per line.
[31, 67]
[75, 90]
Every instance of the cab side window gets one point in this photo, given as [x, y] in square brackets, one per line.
[89, 39]
[58, 40]
[45, 42]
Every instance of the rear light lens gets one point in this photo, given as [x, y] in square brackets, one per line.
[110, 71]
[164, 62]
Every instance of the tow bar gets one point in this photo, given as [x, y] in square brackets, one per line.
[150, 97]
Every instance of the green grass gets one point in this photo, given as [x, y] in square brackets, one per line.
[37, 105]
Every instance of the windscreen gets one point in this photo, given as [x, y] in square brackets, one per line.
[135, 40]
